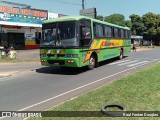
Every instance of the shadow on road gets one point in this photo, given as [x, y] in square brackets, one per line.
[61, 70]
[70, 71]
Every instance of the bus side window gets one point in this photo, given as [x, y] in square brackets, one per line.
[98, 30]
[122, 33]
[95, 30]
[115, 32]
[108, 31]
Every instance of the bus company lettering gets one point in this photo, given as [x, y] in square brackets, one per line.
[109, 44]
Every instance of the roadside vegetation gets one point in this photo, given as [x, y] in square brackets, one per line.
[147, 25]
[16, 60]
[137, 92]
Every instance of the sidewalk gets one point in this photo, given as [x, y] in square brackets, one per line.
[143, 49]
[28, 54]
[9, 69]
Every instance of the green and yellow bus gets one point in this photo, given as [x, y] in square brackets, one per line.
[81, 41]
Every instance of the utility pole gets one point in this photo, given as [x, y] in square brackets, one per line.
[82, 4]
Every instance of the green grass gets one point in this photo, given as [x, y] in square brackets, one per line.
[137, 92]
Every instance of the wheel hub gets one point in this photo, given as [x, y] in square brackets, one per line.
[92, 61]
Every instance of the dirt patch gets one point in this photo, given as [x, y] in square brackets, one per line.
[143, 49]
[5, 75]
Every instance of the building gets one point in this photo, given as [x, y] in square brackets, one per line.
[137, 40]
[20, 25]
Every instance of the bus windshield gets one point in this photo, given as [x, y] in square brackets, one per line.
[60, 34]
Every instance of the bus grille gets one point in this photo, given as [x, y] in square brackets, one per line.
[52, 55]
[61, 55]
[60, 62]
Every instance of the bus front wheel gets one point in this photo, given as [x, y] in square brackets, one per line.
[92, 62]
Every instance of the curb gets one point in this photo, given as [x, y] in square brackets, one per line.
[139, 50]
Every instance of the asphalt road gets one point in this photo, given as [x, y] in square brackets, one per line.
[34, 87]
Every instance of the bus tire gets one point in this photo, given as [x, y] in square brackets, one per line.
[121, 55]
[92, 62]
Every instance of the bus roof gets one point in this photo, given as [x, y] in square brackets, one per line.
[65, 18]
[76, 18]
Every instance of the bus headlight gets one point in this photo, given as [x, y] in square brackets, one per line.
[43, 61]
[70, 61]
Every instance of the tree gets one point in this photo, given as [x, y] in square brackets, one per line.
[128, 24]
[138, 27]
[100, 17]
[150, 20]
[152, 23]
[118, 19]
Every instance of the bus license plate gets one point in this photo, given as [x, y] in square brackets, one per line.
[56, 63]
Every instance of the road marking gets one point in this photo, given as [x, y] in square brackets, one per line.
[118, 62]
[79, 88]
[137, 63]
[128, 62]
[142, 58]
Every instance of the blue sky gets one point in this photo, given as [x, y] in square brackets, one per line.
[104, 7]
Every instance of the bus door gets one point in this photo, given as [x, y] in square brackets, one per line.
[85, 39]
[85, 33]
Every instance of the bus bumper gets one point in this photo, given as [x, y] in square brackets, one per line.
[73, 62]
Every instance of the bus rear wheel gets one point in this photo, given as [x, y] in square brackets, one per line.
[92, 62]
[121, 55]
